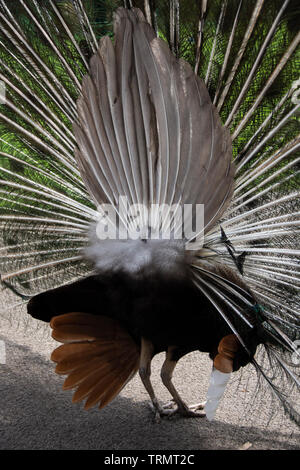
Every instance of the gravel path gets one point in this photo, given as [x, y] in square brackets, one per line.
[36, 414]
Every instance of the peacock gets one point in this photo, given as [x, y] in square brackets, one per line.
[122, 124]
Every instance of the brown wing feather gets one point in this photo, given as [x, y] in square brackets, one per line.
[77, 376]
[88, 384]
[98, 356]
[70, 349]
[110, 386]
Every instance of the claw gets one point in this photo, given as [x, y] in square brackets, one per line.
[197, 406]
[157, 417]
[169, 405]
[160, 411]
[188, 413]
[192, 411]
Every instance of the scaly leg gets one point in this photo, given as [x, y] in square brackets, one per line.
[147, 351]
[166, 376]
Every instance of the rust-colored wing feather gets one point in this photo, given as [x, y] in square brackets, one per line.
[98, 356]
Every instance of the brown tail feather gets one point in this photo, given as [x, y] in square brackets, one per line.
[98, 356]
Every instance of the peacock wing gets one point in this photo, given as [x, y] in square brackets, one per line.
[98, 356]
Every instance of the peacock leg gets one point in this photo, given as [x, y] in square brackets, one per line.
[147, 352]
[166, 376]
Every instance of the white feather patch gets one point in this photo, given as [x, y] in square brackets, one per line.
[137, 257]
[218, 382]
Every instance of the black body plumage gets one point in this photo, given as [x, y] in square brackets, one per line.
[167, 312]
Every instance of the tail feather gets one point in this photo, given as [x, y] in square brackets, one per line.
[98, 356]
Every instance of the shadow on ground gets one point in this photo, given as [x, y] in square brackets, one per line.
[36, 414]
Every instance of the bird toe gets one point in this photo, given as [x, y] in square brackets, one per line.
[197, 406]
[161, 411]
[169, 405]
[192, 411]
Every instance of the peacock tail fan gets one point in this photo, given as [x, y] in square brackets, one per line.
[247, 55]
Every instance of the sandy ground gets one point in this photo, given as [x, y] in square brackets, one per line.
[35, 413]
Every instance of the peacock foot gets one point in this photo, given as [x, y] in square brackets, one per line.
[184, 410]
[160, 411]
[171, 408]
